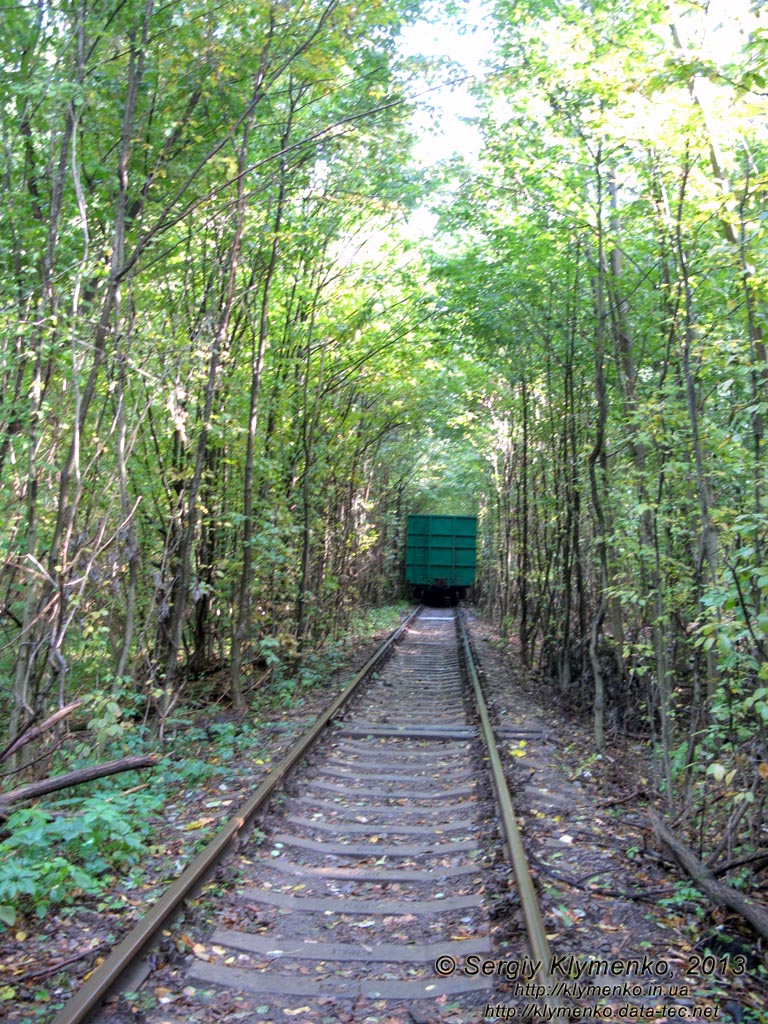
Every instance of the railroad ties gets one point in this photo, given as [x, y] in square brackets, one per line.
[370, 868]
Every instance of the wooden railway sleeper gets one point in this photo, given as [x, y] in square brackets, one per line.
[404, 835]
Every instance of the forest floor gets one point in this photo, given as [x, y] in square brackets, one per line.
[606, 893]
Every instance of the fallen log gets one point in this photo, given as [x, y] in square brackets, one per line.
[754, 913]
[76, 778]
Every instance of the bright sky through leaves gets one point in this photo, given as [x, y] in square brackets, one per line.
[464, 44]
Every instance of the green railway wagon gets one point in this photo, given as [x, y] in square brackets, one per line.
[441, 557]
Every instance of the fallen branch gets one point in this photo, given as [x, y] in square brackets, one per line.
[615, 801]
[51, 969]
[261, 681]
[723, 895]
[757, 860]
[32, 734]
[641, 895]
[44, 755]
[76, 778]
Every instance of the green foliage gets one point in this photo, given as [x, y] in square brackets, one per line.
[78, 847]
[54, 858]
[598, 249]
[153, 168]
[106, 722]
[227, 376]
[371, 621]
[269, 647]
[686, 897]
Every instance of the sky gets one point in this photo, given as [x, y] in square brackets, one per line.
[444, 132]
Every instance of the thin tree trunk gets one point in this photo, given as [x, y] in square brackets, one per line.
[309, 431]
[524, 554]
[178, 609]
[257, 367]
[597, 471]
[37, 626]
[708, 558]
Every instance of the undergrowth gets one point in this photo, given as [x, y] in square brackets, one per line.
[51, 856]
[96, 840]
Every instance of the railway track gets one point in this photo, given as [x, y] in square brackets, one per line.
[366, 880]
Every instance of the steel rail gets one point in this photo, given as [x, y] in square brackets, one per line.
[538, 942]
[108, 974]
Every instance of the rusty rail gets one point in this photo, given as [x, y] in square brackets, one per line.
[534, 925]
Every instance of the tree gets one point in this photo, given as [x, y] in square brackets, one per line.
[605, 227]
[174, 171]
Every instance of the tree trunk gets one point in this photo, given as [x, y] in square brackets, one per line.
[523, 555]
[242, 623]
[597, 473]
[754, 913]
[304, 596]
[181, 581]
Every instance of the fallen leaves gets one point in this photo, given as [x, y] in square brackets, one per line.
[192, 826]
[165, 995]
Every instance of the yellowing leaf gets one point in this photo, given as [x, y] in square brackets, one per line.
[763, 770]
[192, 825]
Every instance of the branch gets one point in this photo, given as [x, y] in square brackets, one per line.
[76, 778]
[747, 617]
[32, 734]
[54, 968]
[647, 895]
[759, 859]
[720, 894]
